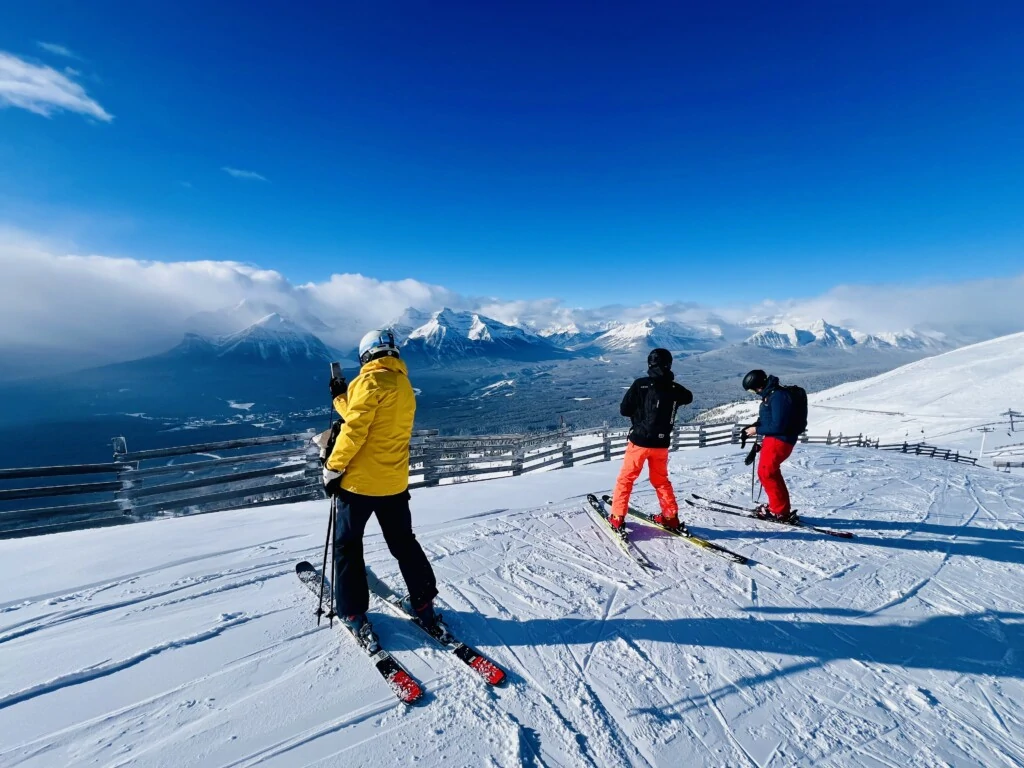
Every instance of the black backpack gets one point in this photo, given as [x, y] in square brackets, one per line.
[797, 422]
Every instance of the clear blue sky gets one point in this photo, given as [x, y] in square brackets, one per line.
[595, 152]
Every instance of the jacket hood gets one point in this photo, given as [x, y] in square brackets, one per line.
[771, 386]
[385, 364]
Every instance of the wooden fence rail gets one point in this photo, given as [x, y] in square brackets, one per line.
[233, 474]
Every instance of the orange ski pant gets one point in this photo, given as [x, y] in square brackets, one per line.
[657, 467]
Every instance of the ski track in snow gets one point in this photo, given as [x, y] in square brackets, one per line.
[901, 647]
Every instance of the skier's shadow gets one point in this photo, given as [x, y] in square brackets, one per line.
[989, 642]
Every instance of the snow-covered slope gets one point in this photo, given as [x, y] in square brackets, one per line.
[190, 641]
[941, 399]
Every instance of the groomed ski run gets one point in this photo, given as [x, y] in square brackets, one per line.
[188, 641]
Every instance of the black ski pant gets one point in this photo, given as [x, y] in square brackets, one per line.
[353, 510]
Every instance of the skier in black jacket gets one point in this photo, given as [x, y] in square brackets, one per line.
[651, 403]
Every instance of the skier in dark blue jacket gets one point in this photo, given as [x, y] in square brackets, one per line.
[780, 422]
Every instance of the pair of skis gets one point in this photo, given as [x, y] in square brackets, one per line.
[621, 535]
[725, 508]
[398, 679]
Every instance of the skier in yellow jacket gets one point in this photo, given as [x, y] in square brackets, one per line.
[368, 471]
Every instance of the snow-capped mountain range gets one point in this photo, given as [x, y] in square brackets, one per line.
[823, 334]
[448, 336]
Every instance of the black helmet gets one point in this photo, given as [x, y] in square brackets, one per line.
[661, 358]
[755, 380]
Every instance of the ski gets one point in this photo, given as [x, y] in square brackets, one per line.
[621, 538]
[726, 508]
[684, 534]
[471, 657]
[401, 682]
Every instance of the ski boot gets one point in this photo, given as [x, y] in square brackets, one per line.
[617, 523]
[763, 512]
[428, 618]
[362, 630]
[672, 523]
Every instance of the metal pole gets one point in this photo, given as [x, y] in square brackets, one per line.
[323, 572]
[984, 433]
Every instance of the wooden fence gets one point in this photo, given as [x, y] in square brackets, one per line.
[231, 474]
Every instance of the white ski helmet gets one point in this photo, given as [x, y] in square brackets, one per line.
[380, 342]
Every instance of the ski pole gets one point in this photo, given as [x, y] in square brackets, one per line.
[323, 572]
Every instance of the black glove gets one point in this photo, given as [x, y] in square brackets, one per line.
[331, 481]
[338, 386]
[752, 455]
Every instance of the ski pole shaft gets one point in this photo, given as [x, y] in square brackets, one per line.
[323, 572]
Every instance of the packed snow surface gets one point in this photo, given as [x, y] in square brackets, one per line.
[191, 642]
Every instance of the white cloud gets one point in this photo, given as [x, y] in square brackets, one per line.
[43, 90]
[58, 50]
[240, 174]
[970, 309]
[97, 309]
[103, 308]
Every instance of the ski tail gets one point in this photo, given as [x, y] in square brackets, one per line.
[697, 541]
[725, 508]
[467, 654]
[620, 537]
[402, 684]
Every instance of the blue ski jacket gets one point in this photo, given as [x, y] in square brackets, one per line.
[775, 413]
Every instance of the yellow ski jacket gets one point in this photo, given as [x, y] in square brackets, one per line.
[372, 448]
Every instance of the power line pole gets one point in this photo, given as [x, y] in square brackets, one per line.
[1013, 415]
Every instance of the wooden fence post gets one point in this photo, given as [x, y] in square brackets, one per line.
[124, 472]
[567, 454]
[518, 456]
[737, 433]
[828, 438]
[431, 455]
[313, 467]
[607, 440]
[702, 437]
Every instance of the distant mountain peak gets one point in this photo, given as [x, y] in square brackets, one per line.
[273, 338]
[450, 335]
[650, 332]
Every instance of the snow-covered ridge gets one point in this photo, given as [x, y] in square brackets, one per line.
[650, 333]
[271, 339]
[941, 399]
[449, 334]
[821, 333]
